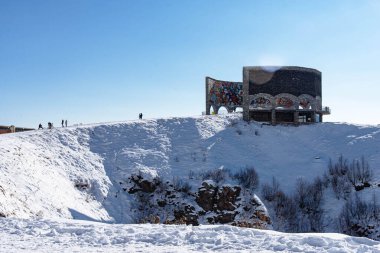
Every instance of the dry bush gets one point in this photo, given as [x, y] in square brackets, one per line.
[248, 178]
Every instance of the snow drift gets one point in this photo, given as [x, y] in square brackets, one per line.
[83, 236]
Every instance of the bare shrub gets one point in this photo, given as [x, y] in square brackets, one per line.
[340, 168]
[326, 180]
[301, 192]
[281, 202]
[313, 203]
[360, 218]
[192, 174]
[180, 185]
[359, 173]
[344, 176]
[308, 197]
[143, 204]
[269, 191]
[248, 178]
[217, 175]
[290, 214]
[300, 212]
[341, 186]
[285, 208]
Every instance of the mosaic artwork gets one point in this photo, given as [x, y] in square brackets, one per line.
[305, 103]
[284, 102]
[261, 102]
[226, 93]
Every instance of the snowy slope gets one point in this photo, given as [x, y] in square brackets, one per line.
[78, 172]
[40, 168]
[83, 236]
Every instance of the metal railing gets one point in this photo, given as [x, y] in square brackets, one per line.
[326, 110]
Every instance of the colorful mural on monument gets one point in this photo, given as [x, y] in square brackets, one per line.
[226, 93]
[305, 103]
[261, 102]
[284, 102]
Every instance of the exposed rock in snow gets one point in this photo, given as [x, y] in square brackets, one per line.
[159, 201]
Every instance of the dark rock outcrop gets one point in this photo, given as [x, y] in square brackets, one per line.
[209, 204]
[141, 184]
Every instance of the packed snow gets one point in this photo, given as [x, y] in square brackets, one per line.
[83, 236]
[50, 177]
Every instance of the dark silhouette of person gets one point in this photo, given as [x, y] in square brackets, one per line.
[40, 126]
[62, 123]
[66, 123]
[140, 115]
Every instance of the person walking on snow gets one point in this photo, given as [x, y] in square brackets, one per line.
[40, 126]
[140, 115]
[62, 123]
[66, 123]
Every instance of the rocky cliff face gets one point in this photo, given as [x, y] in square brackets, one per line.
[202, 202]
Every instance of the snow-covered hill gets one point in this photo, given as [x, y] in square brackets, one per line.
[80, 172]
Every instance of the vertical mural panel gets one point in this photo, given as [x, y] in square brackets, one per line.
[223, 93]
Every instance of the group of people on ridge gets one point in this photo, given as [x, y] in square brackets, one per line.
[64, 123]
[50, 125]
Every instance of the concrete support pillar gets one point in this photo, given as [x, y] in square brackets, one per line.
[313, 117]
[273, 117]
[296, 115]
[246, 114]
[207, 97]
[246, 100]
[216, 109]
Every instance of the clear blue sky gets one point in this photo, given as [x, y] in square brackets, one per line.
[96, 61]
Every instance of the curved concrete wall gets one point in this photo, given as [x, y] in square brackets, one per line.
[277, 80]
[287, 87]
